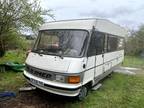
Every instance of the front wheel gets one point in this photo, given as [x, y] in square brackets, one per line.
[83, 93]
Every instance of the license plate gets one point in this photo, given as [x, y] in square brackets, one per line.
[37, 82]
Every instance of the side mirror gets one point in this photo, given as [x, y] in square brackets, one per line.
[27, 53]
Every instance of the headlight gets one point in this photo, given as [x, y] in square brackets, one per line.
[68, 79]
[60, 78]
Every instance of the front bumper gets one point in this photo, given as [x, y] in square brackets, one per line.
[54, 87]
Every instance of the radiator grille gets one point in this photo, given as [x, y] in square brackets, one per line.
[40, 73]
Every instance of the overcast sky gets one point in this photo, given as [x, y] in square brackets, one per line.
[127, 13]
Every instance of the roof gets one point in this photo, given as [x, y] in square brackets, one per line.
[102, 25]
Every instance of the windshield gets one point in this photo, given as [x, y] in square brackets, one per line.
[61, 42]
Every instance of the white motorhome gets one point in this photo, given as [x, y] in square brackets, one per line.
[71, 56]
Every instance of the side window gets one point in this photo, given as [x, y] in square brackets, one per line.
[92, 48]
[105, 43]
[112, 43]
[121, 44]
[99, 42]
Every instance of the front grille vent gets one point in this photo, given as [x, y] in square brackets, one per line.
[39, 73]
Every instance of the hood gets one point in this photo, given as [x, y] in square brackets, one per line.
[48, 62]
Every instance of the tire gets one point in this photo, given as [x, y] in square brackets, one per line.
[83, 93]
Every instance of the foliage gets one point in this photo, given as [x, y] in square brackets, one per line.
[14, 56]
[135, 43]
[17, 16]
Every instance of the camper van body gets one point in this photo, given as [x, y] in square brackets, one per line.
[99, 49]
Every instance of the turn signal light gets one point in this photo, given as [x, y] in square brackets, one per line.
[73, 79]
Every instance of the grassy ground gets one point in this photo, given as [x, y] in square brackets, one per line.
[132, 61]
[118, 91]
[12, 80]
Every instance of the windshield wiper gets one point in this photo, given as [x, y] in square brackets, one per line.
[45, 51]
[39, 51]
[60, 55]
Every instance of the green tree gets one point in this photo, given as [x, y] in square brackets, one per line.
[135, 43]
[16, 15]
[140, 39]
